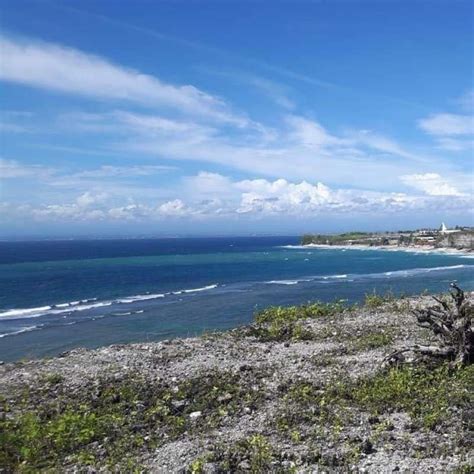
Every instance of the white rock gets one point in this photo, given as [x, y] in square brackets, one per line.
[195, 414]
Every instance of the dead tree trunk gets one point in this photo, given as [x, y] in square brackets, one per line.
[451, 322]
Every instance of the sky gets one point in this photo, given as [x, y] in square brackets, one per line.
[123, 118]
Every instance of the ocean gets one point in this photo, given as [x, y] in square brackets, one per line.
[59, 295]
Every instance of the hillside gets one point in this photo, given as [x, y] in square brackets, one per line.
[301, 389]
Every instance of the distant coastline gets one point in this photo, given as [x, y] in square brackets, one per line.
[442, 240]
[393, 248]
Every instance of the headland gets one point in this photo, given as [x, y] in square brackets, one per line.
[459, 239]
[302, 389]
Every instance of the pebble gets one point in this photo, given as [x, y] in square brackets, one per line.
[195, 414]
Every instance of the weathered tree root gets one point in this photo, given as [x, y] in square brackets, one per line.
[451, 323]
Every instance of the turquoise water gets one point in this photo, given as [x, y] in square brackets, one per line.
[55, 296]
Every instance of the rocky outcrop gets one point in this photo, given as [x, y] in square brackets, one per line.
[457, 240]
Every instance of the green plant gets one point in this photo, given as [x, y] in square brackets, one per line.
[253, 454]
[375, 300]
[260, 451]
[53, 379]
[295, 436]
[372, 340]
[197, 466]
[424, 393]
[36, 439]
[42, 429]
[279, 323]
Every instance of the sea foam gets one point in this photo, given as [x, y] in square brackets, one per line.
[88, 304]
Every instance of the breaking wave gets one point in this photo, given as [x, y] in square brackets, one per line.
[283, 282]
[20, 331]
[328, 279]
[90, 304]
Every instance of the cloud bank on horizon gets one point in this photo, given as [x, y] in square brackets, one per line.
[174, 131]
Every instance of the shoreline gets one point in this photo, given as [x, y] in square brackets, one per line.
[391, 248]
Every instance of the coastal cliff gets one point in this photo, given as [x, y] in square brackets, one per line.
[459, 240]
[429, 239]
[299, 390]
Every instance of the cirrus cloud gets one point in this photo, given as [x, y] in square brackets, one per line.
[67, 70]
[448, 124]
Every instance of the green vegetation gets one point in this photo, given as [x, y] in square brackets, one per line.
[372, 340]
[253, 454]
[375, 300]
[426, 394]
[117, 416]
[396, 303]
[333, 239]
[197, 466]
[52, 379]
[279, 323]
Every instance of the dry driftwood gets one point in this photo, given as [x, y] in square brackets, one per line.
[451, 323]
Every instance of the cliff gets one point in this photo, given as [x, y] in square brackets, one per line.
[458, 240]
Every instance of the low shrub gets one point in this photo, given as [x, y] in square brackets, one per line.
[375, 300]
[279, 323]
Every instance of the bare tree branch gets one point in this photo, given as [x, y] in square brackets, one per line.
[451, 323]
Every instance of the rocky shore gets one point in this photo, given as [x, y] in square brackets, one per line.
[300, 390]
[396, 248]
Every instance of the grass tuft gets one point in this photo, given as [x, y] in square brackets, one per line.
[253, 454]
[426, 394]
[375, 300]
[279, 323]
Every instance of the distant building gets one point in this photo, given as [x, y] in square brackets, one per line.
[444, 230]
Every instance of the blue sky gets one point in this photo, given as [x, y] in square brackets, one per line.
[126, 118]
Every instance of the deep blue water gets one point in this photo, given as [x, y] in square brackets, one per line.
[57, 295]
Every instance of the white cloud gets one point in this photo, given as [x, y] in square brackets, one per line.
[15, 121]
[173, 208]
[299, 149]
[452, 132]
[280, 196]
[66, 212]
[108, 171]
[273, 90]
[15, 169]
[88, 199]
[205, 184]
[456, 144]
[276, 92]
[54, 67]
[156, 126]
[432, 184]
[309, 133]
[448, 124]
[257, 198]
[129, 212]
